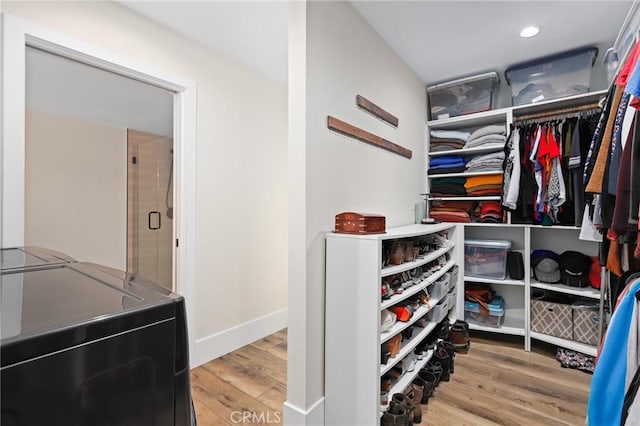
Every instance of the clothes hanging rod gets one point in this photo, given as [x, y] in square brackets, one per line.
[545, 114]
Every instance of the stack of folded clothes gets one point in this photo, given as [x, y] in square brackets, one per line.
[484, 185]
[446, 164]
[445, 140]
[448, 186]
[488, 136]
[448, 214]
[452, 211]
[490, 212]
[486, 163]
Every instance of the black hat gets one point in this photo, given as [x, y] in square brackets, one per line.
[574, 268]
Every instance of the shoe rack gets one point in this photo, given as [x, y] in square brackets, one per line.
[353, 331]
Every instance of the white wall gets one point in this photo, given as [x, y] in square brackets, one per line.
[241, 217]
[75, 188]
[342, 57]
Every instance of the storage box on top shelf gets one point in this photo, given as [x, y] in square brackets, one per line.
[495, 317]
[552, 77]
[463, 96]
[486, 258]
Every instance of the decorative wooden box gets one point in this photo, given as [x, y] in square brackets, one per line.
[359, 223]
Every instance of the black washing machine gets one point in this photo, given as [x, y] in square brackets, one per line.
[83, 344]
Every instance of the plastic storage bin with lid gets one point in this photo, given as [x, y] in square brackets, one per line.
[463, 96]
[495, 318]
[552, 77]
[486, 258]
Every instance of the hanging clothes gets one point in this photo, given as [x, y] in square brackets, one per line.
[594, 184]
[511, 181]
[598, 137]
[549, 187]
[610, 379]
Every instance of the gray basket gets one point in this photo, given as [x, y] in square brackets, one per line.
[586, 321]
[553, 319]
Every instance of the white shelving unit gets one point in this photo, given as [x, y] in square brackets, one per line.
[353, 338]
[525, 237]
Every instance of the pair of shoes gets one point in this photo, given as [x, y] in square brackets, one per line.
[409, 362]
[428, 380]
[405, 400]
[385, 290]
[385, 383]
[416, 273]
[409, 254]
[396, 415]
[443, 329]
[393, 345]
[459, 336]
[416, 390]
[403, 313]
[443, 357]
[384, 399]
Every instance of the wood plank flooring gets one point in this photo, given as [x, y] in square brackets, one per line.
[496, 383]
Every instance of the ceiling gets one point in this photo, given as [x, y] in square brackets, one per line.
[442, 40]
[439, 40]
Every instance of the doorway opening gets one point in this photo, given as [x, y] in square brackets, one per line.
[94, 188]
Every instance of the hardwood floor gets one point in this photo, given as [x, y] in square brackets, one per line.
[496, 383]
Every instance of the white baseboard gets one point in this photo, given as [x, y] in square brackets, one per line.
[218, 344]
[294, 416]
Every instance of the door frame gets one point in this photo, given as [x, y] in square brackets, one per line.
[17, 34]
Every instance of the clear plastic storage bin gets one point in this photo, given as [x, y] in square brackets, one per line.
[463, 96]
[553, 77]
[439, 288]
[486, 258]
[439, 311]
[494, 319]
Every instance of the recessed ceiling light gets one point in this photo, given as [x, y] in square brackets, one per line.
[530, 31]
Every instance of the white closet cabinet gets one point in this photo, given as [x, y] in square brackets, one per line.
[353, 336]
[524, 237]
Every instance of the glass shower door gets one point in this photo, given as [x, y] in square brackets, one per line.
[150, 207]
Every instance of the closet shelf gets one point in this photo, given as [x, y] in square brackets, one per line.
[408, 348]
[418, 287]
[480, 198]
[470, 120]
[407, 266]
[513, 324]
[466, 174]
[505, 329]
[506, 281]
[556, 104]
[569, 344]
[589, 292]
[468, 151]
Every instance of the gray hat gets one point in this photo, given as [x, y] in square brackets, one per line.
[547, 270]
